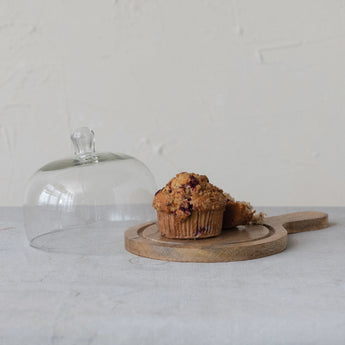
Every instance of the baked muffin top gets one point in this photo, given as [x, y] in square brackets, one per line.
[188, 192]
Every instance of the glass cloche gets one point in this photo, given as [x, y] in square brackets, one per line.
[83, 204]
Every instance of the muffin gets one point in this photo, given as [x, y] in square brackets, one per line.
[240, 213]
[189, 207]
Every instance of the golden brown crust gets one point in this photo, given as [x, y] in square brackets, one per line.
[186, 193]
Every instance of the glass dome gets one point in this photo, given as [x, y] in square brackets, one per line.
[84, 203]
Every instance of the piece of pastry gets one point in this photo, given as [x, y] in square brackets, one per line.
[240, 213]
[189, 206]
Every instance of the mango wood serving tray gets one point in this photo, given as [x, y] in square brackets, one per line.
[241, 243]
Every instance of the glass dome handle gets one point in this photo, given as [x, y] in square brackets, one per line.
[83, 141]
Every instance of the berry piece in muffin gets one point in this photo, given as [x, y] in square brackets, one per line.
[189, 206]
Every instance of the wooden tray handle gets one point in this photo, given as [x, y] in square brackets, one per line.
[300, 221]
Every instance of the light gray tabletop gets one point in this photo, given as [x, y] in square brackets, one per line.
[295, 297]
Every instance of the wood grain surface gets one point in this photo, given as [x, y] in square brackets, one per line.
[241, 243]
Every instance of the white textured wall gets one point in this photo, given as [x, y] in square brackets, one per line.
[251, 93]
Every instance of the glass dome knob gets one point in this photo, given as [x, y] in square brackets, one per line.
[83, 140]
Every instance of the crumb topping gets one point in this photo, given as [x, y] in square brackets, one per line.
[258, 218]
[188, 192]
[229, 197]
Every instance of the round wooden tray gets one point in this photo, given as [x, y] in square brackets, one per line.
[241, 243]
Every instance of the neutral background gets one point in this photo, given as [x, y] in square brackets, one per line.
[251, 93]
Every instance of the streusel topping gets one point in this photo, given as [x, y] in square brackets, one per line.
[188, 192]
